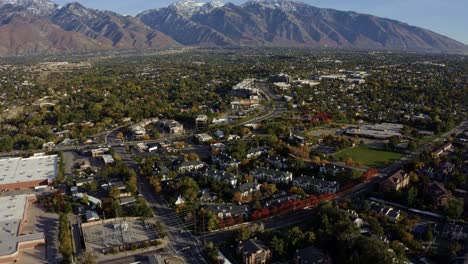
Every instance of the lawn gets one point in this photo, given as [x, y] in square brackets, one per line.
[369, 157]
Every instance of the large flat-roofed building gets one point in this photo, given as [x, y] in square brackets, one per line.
[13, 215]
[376, 131]
[19, 173]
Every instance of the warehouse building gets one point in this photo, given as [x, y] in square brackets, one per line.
[20, 173]
[13, 216]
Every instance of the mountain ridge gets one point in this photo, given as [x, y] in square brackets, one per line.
[41, 26]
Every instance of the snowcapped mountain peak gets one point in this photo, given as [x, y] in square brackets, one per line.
[285, 5]
[38, 7]
[192, 7]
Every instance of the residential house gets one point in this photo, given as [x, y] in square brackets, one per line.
[190, 166]
[254, 252]
[201, 123]
[392, 214]
[180, 200]
[445, 148]
[272, 176]
[83, 164]
[311, 255]
[224, 161]
[163, 171]
[277, 162]
[107, 159]
[453, 231]
[396, 182]
[203, 138]
[257, 152]
[222, 176]
[229, 210]
[207, 196]
[172, 126]
[218, 147]
[138, 131]
[127, 200]
[318, 186]
[248, 188]
[82, 181]
[279, 199]
[219, 134]
[99, 152]
[92, 216]
[438, 193]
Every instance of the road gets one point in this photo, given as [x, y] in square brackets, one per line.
[279, 106]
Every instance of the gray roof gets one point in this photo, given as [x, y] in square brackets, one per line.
[251, 246]
[13, 170]
[12, 210]
[247, 186]
[233, 209]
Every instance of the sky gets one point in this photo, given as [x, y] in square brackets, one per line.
[447, 17]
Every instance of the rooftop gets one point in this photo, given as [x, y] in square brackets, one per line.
[14, 170]
[12, 209]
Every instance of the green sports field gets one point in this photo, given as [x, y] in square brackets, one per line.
[369, 157]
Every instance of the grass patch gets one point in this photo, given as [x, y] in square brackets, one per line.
[369, 157]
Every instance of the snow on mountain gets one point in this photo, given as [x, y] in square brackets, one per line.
[191, 7]
[38, 7]
[285, 5]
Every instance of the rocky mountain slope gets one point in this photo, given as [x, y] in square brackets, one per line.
[38, 26]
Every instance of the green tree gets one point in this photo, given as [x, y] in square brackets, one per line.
[114, 193]
[278, 246]
[87, 258]
[454, 208]
[65, 247]
[411, 196]
[412, 146]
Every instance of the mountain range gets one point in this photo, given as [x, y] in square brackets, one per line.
[41, 26]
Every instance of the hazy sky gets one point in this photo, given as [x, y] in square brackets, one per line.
[448, 17]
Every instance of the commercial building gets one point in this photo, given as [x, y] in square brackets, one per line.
[20, 173]
[201, 122]
[376, 131]
[13, 216]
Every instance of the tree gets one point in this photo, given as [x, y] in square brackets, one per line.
[412, 146]
[212, 252]
[278, 246]
[212, 221]
[65, 247]
[411, 196]
[87, 258]
[454, 208]
[131, 185]
[237, 198]
[454, 248]
[193, 156]
[295, 237]
[85, 199]
[114, 193]
[189, 189]
[429, 236]
[244, 233]
[93, 186]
